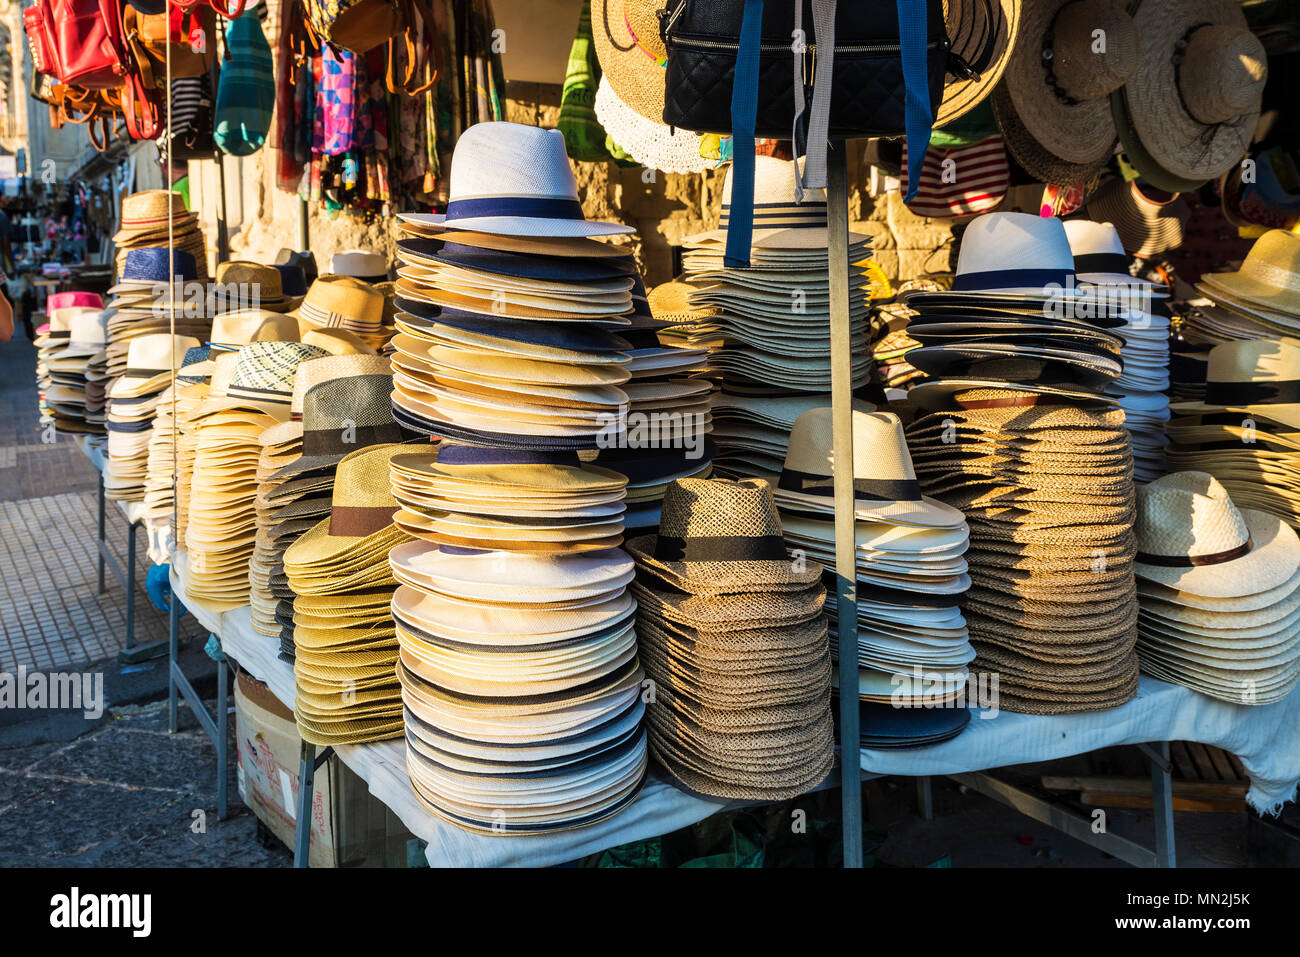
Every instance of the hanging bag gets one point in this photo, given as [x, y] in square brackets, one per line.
[753, 69]
[359, 26]
[193, 50]
[245, 89]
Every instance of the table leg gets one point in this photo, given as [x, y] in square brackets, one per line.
[1162, 798]
[925, 798]
[173, 652]
[302, 824]
[130, 585]
[222, 718]
[101, 534]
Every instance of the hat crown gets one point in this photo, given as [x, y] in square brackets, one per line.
[271, 366]
[345, 297]
[775, 206]
[1254, 360]
[499, 159]
[1188, 514]
[1229, 75]
[152, 204]
[88, 328]
[1087, 238]
[150, 264]
[363, 500]
[313, 372]
[719, 508]
[1274, 259]
[265, 279]
[237, 328]
[879, 446]
[158, 352]
[1033, 245]
[355, 401]
[1084, 70]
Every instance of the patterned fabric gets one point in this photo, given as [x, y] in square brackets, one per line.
[584, 137]
[336, 106]
[961, 181]
[246, 89]
[266, 370]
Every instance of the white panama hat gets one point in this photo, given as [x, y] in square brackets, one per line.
[514, 180]
[1099, 257]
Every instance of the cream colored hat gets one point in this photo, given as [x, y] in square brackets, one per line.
[344, 302]
[1193, 538]
[231, 330]
[1269, 276]
[1255, 377]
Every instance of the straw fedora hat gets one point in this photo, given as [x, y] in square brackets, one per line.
[1269, 275]
[1191, 537]
[259, 376]
[341, 415]
[1057, 82]
[233, 330]
[1194, 101]
[514, 180]
[362, 506]
[313, 372]
[884, 483]
[1147, 227]
[149, 364]
[151, 207]
[1253, 377]
[718, 536]
[780, 222]
[343, 301]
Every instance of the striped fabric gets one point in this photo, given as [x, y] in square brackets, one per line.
[977, 174]
[810, 215]
[245, 90]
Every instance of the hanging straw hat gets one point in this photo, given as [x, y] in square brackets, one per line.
[981, 35]
[1195, 99]
[1147, 227]
[1191, 537]
[1052, 105]
[632, 54]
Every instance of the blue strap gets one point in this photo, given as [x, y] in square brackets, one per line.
[744, 114]
[918, 118]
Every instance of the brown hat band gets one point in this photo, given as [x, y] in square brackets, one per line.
[721, 548]
[883, 490]
[358, 521]
[1193, 561]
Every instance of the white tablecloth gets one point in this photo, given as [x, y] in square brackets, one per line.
[1267, 739]
[157, 530]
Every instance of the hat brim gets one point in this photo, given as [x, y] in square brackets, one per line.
[522, 226]
[1273, 559]
[936, 395]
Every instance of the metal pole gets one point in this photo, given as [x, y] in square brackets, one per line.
[101, 533]
[223, 234]
[222, 718]
[130, 585]
[303, 213]
[306, 784]
[846, 593]
[173, 650]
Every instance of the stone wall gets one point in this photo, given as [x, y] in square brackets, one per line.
[665, 208]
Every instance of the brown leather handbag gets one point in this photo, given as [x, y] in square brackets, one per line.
[147, 36]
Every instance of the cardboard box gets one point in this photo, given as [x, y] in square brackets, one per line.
[349, 826]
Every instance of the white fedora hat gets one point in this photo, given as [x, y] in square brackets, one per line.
[1099, 257]
[514, 180]
[1012, 255]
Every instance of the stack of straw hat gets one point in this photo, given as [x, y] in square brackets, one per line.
[1259, 300]
[689, 325]
[250, 391]
[734, 641]
[911, 573]
[1100, 260]
[52, 337]
[1246, 430]
[1219, 590]
[132, 401]
[68, 396]
[145, 302]
[163, 441]
[145, 219]
[1022, 440]
[521, 683]
[772, 317]
[192, 387]
[509, 338]
[346, 649]
[342, 404]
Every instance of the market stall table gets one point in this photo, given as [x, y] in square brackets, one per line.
[1265, 738]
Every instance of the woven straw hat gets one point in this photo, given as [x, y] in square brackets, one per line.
[649, 142]
[1269, 275]
[717, 537]
[982, 34]
[1193, 538]
[1195, 99]
[632, 54]
[362, 507]
[232, 330]
[265, 280]
[312, 372]
[1147, 227]
[337, 342]
[262, 379]
[671, 302]
[151, 208]
[343, 301]
[340, 416]
[884, 483]
[1255, 377]
[1057, 83]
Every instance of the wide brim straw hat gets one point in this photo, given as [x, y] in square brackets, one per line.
[650, 143]
[1193, 538]
[1036, 159]
[983, 34]
[1195, 98]
[632, 55]
[1058, 84]
[1147, 227]
[938, 394]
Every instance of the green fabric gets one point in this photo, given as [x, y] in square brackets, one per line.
[182, 186]
[245, 89]
[584, 137]
[971, 127]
